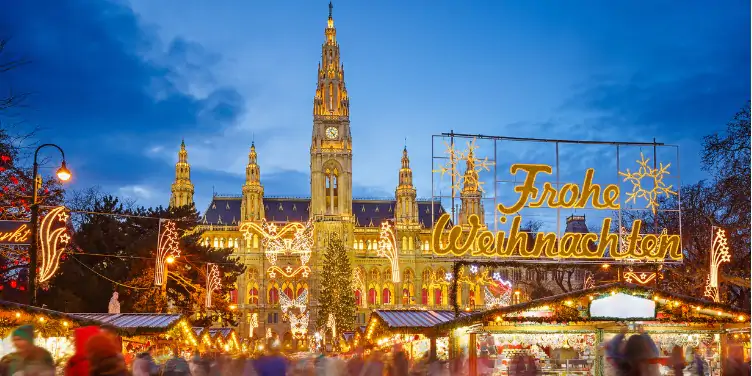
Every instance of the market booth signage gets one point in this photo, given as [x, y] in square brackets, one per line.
[476, 240]
[15, 233]
[623, 306]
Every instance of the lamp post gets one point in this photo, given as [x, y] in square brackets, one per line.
[64, 175]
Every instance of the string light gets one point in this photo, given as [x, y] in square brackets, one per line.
[359, 283]
[51, 241]
[167, 246]
[388, 249]
[212, 282]
[254, 323]
[332, 324]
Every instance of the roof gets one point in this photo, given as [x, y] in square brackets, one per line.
[134, 322]
[403, 319]
[224, 332]
[489, 315]
[13, 306]
[368, 212]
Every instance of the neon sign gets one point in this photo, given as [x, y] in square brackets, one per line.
[15, 233]
[476, 240]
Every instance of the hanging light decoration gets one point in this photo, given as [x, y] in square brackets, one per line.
[719, 253]
[52, 237]
[167, 247]
[388, 249]
[212, 282]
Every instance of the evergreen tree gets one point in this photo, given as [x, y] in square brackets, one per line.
[336, 295]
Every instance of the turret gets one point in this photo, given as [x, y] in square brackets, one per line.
[252, 205]
[406, 210]
[182, 188]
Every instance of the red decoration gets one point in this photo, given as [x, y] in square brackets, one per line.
[5, 158]
[13, 284]
[14, 180]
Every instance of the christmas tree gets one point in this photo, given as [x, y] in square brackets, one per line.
[336, 297]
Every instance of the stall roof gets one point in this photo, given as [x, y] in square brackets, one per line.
[13, 306]
[224, 332]
[414, 318]
[664, 295]
[135, 322]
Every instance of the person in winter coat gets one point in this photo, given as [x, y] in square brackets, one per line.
[78, 364]
[105, 358]
[28, 360]
[144, 365]
[176, 366]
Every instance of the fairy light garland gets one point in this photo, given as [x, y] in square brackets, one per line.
[167, 246]
[51, 242]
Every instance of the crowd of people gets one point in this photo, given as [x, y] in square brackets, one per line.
[98, 353]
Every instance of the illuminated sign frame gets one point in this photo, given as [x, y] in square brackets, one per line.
[539, 186]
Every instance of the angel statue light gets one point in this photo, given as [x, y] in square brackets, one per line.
[114, 306]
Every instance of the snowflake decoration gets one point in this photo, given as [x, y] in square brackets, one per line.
[497, 276]
[448, 276]
[474, 166]
[659, 186]
[473, 269]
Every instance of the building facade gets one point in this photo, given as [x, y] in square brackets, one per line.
[333, 210]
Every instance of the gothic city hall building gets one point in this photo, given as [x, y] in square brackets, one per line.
[331, 208]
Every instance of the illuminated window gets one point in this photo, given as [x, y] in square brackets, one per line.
[253, 297]
[358, 298]
[437, 297]
[372, 296]
[216, 243]
[273, 295]
[424, 296]
[386, 296]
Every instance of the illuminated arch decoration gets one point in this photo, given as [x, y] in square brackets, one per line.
[719, 253]
[655, 176]
[299, 325]
[167, 246]
[286, 303]
[52, 238]
[213, 282]
[292, 239]
[642, 278]
[388, 249]
[503, 298]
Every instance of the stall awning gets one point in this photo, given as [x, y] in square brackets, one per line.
[47, 321]
[135, 323]
[414, 319]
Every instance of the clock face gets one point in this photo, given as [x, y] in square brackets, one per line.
[332, 132]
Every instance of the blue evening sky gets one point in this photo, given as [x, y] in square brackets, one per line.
[118, 84]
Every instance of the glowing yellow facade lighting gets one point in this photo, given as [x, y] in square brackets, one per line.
[52, 237]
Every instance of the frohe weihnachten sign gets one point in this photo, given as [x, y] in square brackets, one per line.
[476, 240]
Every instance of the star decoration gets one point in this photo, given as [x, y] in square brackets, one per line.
[473, 269]
[645, 171]
[454, 157]
[272, 275]
[63, 216]
[497, 276]
[288, 269]
[64, 238]
[305, 273]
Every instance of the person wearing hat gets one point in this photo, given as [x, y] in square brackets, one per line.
[28, 359]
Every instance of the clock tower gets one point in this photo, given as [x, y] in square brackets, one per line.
[331, 143]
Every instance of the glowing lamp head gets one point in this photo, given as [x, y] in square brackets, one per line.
[605, 266]
[170, 259]
[63, 173]
[740, 318]
[233, 307]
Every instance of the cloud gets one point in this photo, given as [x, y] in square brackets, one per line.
[104, 87]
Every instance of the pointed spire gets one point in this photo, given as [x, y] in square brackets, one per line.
[182, 188]
[330, 10]
[471, 175]
[405, 158]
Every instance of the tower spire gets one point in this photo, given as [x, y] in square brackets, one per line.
[330, 10]
[251, 207]
[406, 210]
[331, 93]
[182, 188]
[471, 194]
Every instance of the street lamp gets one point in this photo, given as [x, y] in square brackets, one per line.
[64, 175]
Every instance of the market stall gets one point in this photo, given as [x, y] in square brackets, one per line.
[53, 329]
[566, 334]
[162, 332]
[413, 329]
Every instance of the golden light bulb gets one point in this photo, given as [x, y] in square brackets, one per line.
[170, 259]
[63, 173]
